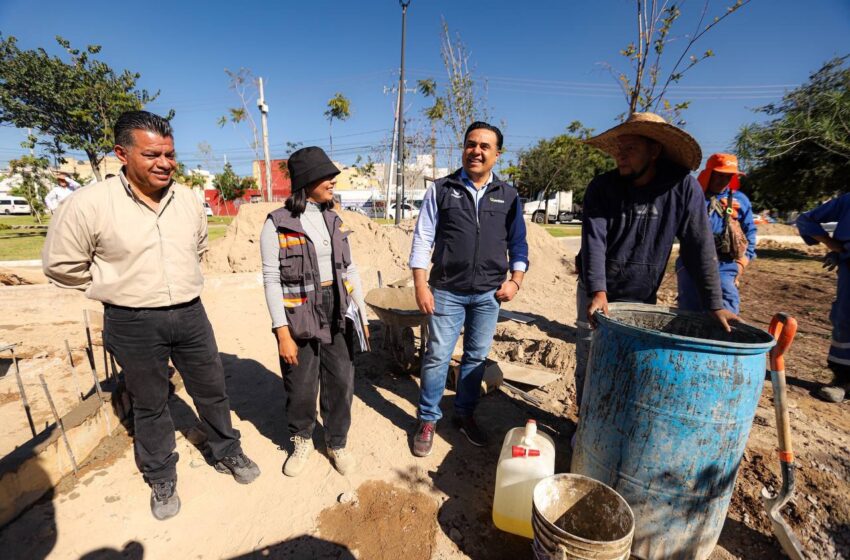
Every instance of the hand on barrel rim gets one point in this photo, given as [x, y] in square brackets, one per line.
[724, 316]
[599, 302]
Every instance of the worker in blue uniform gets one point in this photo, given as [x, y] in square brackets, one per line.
[731, 218]
[809, 224]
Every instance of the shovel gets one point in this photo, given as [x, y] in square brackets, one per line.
[782, 328]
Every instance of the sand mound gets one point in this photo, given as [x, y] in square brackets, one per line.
[548, 290]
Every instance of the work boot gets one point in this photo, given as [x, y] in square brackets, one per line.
[423, 440]
[468, 427]
[343, 461]
[165, 503]
[297, 460]
[833, 393]
[243, 469]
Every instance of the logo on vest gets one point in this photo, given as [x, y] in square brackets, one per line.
[456, 194]
[499, 200]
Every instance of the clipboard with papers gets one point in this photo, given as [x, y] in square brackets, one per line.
[357, 319]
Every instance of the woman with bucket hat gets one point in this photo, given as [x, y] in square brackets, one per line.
[631, 217]
[731, 217]
[311, 286]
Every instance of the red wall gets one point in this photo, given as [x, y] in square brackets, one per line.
[281, 185]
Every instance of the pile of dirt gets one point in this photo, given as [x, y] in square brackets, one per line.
[548, 290]
[776, 229]
[384, 523]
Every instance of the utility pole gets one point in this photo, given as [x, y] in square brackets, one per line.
[392, 154]
[264, 110]
[399, 186]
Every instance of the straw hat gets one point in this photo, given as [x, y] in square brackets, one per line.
[679, 146]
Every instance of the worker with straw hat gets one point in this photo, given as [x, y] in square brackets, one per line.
[632, 215]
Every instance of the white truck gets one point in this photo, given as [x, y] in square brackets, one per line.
[560, 208]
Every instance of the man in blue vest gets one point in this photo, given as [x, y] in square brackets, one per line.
[474, 223]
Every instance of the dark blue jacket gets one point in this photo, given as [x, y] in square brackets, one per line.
[628, 233]
[471, 249]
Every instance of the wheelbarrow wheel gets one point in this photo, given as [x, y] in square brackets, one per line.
[404, 348]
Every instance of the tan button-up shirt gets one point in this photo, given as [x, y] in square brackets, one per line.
[106, 241]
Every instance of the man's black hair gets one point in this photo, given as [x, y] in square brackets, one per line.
[140, 120]
[486, 126]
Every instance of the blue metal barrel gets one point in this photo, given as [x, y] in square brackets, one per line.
[668, 403]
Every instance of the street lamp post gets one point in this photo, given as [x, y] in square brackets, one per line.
[399, 185]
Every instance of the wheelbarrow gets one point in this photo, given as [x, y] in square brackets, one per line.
[396, 308]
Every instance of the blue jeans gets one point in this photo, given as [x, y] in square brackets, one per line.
[689, 297]
[477, 314]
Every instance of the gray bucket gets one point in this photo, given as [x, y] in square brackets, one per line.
[577, 518]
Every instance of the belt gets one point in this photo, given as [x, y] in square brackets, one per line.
[166, 308]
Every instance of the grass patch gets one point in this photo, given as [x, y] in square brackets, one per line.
[563, 231]
[216, 232]
[219, 220]
[23, 247]
[23, 220]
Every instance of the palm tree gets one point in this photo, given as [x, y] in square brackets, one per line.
[339, 108]
[435, 114]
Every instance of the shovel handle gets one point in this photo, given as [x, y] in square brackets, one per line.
[782, 328]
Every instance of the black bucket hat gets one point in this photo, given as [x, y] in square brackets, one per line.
[309, 164]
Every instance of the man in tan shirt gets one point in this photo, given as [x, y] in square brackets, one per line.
[134, 243]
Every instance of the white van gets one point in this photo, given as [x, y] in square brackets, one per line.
[14, 205]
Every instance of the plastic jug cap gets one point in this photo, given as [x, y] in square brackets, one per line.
[530, 432]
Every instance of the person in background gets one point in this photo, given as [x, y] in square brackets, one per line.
[64, 188]
[838, 244]
[311, 283]
[734, 233]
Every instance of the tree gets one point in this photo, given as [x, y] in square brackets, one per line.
[246, 87]
[230, 186]
[802, 155]
[188, 178]
[36, 181]
[435, 114]
[464, 104]
[75, 103]
[561, 163]
[339, 108]
[655, 21]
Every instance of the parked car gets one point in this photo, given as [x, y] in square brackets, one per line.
[407, 211]
[14, 205]
[208, 209]
[373, 208]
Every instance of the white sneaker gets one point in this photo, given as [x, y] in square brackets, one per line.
[342, 460]
[297, 460]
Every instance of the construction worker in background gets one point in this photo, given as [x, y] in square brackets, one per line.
[733, 228]
[632, 215]
[63, 189]
[809, 224]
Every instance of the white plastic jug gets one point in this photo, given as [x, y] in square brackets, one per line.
[525, 459]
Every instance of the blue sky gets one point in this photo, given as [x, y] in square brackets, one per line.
[542, 62]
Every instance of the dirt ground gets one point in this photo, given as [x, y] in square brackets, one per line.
[437, 507]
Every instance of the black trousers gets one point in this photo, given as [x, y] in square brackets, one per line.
[326, 366]
[143, 340]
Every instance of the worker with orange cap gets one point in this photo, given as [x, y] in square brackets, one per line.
[731, 217]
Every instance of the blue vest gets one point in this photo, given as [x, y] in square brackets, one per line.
[471, 250]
